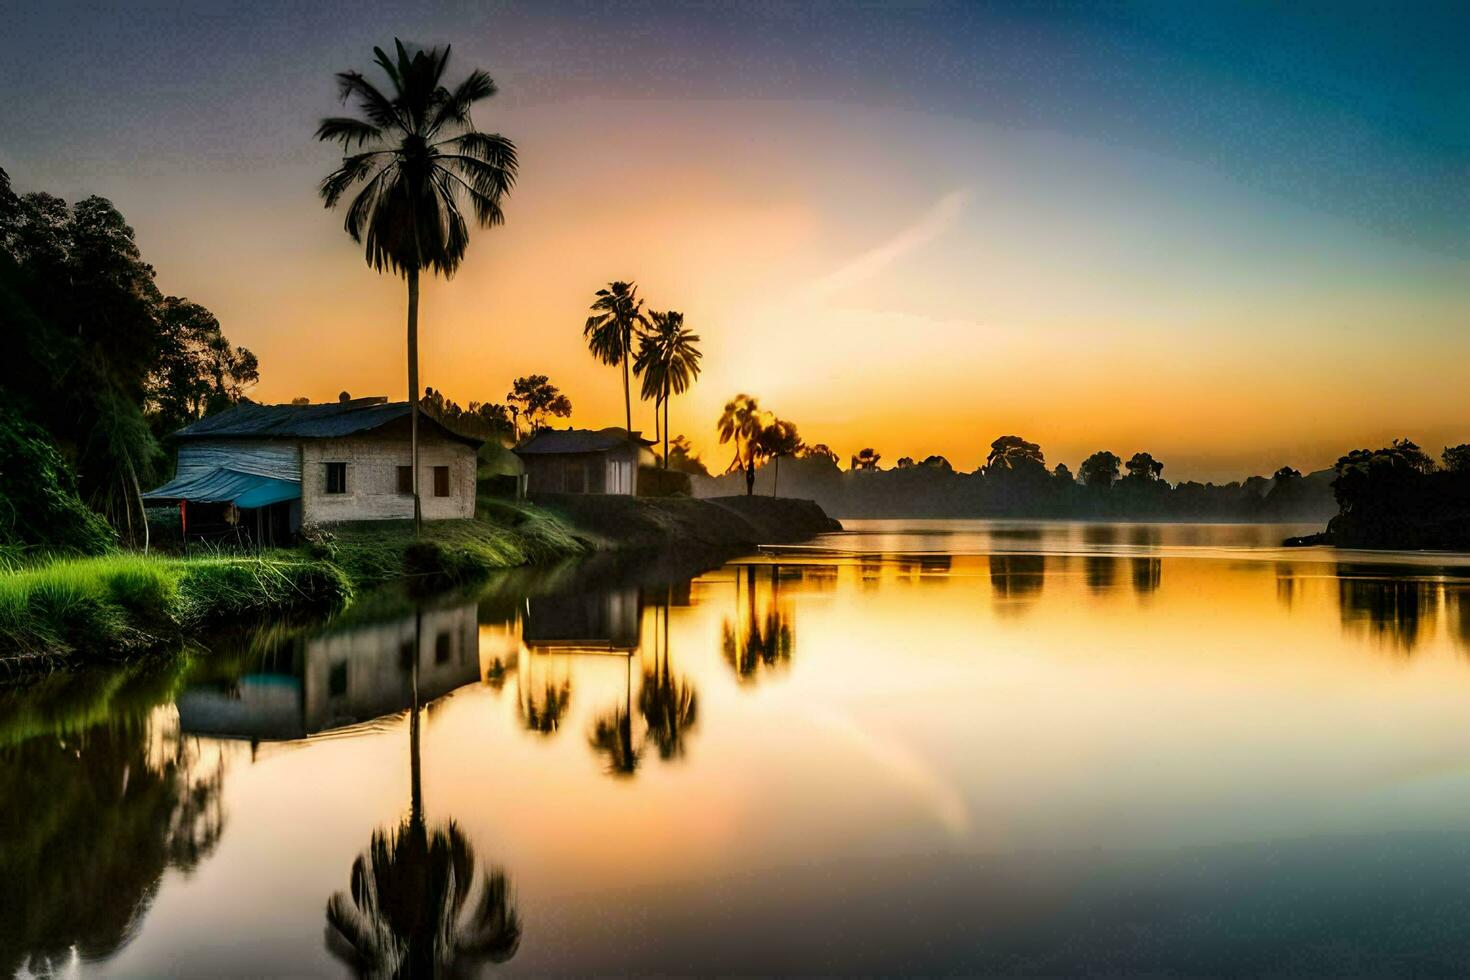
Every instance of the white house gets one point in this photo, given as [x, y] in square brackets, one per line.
[261, 471]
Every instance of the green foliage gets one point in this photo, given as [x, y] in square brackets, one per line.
[110, 607]
[39, 507]
[97, 357]
[536, 399]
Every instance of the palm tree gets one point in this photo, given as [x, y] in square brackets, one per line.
[778, 439]
[410, 911]
[612, 733]
[668, 361]
[617, 314]
[417, 156]
[742, 423]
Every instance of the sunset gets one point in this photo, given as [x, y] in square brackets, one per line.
[694, 489]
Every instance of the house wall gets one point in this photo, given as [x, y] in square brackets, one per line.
[276, 458]
[372, 479]
[613, 471]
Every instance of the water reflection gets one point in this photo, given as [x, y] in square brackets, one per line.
[668, 703]
[612, 734]
[758, 638]
[1100, 572]
[90, 817]
[1016, 581]
[1147, 574]
[419, 904]
[349, 673]
[1394, 609]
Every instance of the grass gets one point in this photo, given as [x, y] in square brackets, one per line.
[505, 535]
[116, 605]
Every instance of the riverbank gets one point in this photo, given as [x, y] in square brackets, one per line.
[116, 606]
[111, 608]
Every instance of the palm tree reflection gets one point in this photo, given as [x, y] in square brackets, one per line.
[416, 907]
[760, 640]
[667, 702]
[542, 709]
[612, 733]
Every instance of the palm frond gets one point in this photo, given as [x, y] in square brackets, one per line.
[346, 129]
[455, 110]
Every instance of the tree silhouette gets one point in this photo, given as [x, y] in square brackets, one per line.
[668, 362]
[866, 459]
[778, 438]
[417, 156]
[819, 451]
[617, 315]
[1143, 467]
[536, 398]
[1100, 470]
[1014, 453]
[741, 424]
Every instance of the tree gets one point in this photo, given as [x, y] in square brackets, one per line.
[417, 156]
[617, 314]
[778, 438]
[1457, 458]
[866, 459]
[1143, 468]
[197, 372]
[937, 463]
[668, 362]
[905, 462]
[1014, 453]
[1063, 474]
[682, 457]
[1100, 469]
[741, 424]
[535, 397]
[820, 451]
[1285, 474]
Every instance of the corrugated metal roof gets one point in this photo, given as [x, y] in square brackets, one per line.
[226, 486]
[331, 420]
[579, 441]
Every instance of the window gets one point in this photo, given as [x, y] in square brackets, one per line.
[405, 479]
[337, 679]
[336, 478]
[441, 481]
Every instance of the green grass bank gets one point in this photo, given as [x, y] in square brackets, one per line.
[72, 611]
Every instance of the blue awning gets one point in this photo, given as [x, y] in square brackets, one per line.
[226, 486]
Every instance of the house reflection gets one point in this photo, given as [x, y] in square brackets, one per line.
[595, 621]
[340, 677]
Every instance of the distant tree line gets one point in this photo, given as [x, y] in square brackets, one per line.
[1014, 481]
[99, 363]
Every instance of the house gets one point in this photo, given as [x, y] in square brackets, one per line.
[259, 472]
[584, 460]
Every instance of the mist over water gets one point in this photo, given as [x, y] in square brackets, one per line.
[921, 746]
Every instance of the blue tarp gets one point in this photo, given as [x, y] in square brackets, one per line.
[226, 486]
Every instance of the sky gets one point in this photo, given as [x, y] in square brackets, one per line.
[1235, 236]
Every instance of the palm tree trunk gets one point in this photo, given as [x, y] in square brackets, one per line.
[627, 399]
[750, 477]
[666, 425]
[413, 393]
[776, 475]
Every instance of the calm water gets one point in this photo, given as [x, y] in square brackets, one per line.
[914, 747]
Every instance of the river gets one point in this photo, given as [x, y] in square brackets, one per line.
[915, 746]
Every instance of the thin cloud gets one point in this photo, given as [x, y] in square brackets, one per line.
[934, 222]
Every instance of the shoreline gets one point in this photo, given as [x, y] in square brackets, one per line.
[120, 607]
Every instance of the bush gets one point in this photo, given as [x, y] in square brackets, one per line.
[39, 507]
[656, 482]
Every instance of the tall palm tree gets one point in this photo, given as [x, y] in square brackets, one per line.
[741, 423]
[617, 314]
[668, 362]
[413, 156]
[414, 909]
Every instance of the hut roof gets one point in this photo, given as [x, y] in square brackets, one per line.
[581, 441]
[331, 420]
